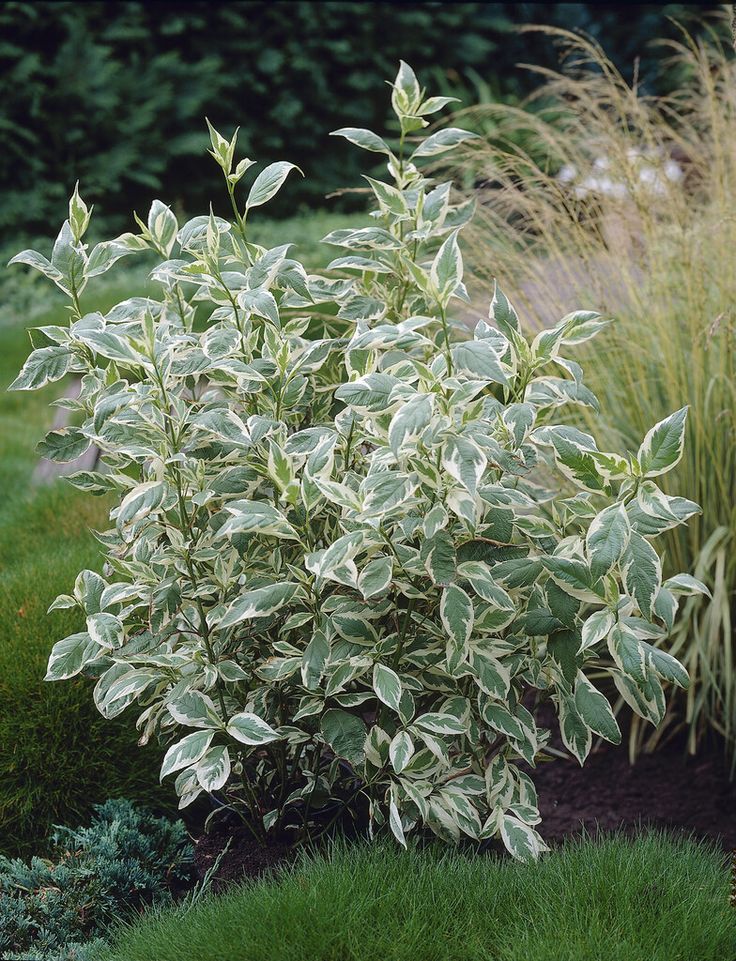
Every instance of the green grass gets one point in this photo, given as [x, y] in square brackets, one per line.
[652, 898]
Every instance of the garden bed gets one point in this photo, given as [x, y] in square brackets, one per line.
[668, 790]
[665, 789]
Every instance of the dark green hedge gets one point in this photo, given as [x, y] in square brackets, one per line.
[114, 94]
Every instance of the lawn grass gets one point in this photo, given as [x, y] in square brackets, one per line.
[652, 898]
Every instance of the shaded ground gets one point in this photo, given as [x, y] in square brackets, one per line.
[665, 790]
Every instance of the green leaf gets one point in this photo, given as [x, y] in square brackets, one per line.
[345, 734]
[186, 752]
[261, 602]
[456, 612]
[642, 573]
[268, 183]
[606, 539]
[662, 447]
[401, 751]
[44, 366]
[387, 686]
[250, 729]
[409, 422]
[70, 655]
[595, 710]
[213, 770]
[63, 445]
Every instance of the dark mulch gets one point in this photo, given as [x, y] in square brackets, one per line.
[243, 859]
[665, 790]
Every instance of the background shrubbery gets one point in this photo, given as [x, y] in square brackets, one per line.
[113, 95]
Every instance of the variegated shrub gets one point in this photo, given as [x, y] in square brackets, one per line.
[353, 544]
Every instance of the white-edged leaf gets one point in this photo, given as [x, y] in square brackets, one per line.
[387, 685]
[409, 422]
[363, 138]
[248, 728]
[464, 461]
[447, 268]
[194, 709]
[186, 752]
[595, 710]
[442, 141]
[456, 612]
[607, 538]
[596, 627]
[268, 183]
[261, 602]
[70, 655]
[213, 770]
[686, 584]
[662, 447]
[642, 572]
[521, 841]
[376, 576]
[43, 366]
[105, 630]
[401, 751]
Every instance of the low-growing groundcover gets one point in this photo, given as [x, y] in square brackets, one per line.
[655, 898]
[57, 909]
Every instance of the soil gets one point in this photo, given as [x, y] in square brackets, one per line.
[244, 859]
[666, 789]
